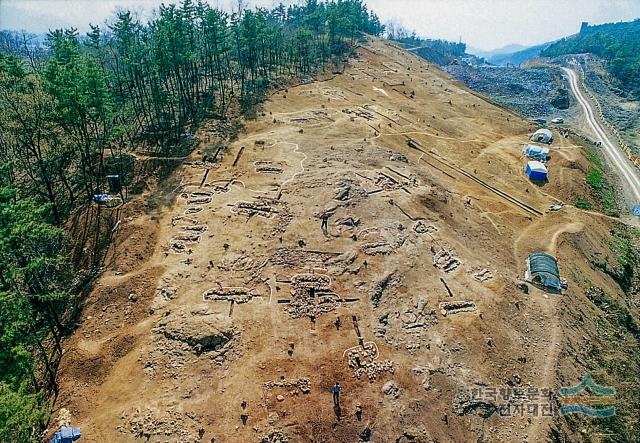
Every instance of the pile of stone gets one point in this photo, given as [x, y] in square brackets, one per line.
[147, 424]
[387, 182]
[311, 296]
[303, 384]
[420, 227]
[530, 91]
[347, 189]
[364, 361]
[354, 113]
[275, 437]
[396, 157]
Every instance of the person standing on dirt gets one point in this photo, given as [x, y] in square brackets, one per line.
[336, 394]
[325, 223]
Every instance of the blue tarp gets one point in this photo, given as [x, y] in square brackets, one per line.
[101, 199]
[536, 152]
[636, 210]
[536, 171]
[66, 435]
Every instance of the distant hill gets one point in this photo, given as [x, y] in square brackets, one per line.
[440, 52]
[509, 49]
[616, 43]
[518, 57]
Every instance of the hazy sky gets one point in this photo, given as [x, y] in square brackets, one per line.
[485, 24]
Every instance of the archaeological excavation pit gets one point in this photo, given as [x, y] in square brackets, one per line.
[192, 210]
[381, 247]
[260, 208]
[420, 227]
[199, 200]
[194, 228]
[364, 361]
[312, 296]
[483, 275]
[182, 219]
[445, 260]
[456, 307]
[186, 237]
[267, 167]
[300, 258]
[231, 294]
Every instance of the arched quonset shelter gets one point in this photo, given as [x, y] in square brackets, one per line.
[536, 152]
[542, 136]
[536, 171]
[542, 270]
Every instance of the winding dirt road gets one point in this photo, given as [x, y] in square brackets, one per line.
[630, 176]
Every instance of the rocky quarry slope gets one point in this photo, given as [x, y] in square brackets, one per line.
[227, 314]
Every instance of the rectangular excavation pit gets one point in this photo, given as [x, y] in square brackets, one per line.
[236, 295]
[446, 261]
[301, 258]
[199, 200]
[186, 238]
[268, 169]
[194, 228]
[456, 307]
[250, 209]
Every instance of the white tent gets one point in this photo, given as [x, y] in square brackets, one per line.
[542, 136]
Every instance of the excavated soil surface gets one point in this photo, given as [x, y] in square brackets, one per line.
[233, 314]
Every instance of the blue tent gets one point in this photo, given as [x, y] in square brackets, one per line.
[536, 171]
[536, 152]
[66, 435]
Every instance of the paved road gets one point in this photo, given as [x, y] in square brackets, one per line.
[629, 174]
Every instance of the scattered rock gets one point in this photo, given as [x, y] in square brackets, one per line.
[390, 389]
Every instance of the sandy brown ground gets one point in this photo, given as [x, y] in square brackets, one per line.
[154, 361]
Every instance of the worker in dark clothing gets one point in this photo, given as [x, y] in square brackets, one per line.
[336, 394]
[325, 223]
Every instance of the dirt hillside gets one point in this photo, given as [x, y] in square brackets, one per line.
[230, 305]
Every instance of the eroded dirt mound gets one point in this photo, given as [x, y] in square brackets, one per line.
[202, 331]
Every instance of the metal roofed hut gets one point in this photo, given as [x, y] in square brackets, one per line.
[542, 136]
[542, 270]
[536, 152]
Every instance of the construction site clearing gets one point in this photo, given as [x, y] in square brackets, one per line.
[229, 314]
